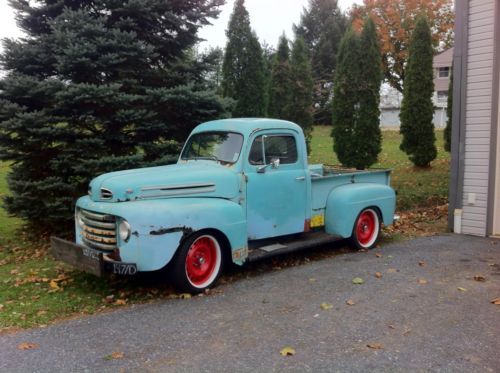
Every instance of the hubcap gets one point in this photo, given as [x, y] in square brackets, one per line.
[366, 227]
[201, 260]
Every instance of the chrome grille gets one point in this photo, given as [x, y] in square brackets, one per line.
[106, 193]
[98, 230]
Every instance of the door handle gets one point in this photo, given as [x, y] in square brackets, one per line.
[300, 178]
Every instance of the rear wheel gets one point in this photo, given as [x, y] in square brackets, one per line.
[197, 264]
[366, 230]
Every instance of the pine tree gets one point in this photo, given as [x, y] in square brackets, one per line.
[279, 86]
[417, 109]
[300, 103]
[322, 25]
[96, 86]
[243, 67]
[449, 114]
[347, 102]
[368, 122]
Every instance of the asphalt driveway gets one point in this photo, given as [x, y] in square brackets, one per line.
[423, 311]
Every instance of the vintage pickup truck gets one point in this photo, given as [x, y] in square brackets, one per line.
[241, 190]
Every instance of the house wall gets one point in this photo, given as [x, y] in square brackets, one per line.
[478, 115]
[496, 211]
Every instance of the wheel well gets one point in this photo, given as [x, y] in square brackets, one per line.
[225, 245]
[377, 210]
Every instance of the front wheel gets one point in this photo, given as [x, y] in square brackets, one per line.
[366, 229]
[197, 264]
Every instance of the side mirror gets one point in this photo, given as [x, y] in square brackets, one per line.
[275, 162]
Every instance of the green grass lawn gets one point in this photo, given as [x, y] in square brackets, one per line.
[36, 290]
[416, 187]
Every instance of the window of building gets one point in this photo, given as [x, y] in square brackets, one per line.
[283, 147]
[442, 96]
[444, 72]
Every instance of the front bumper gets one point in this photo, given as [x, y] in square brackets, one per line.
[87, 259]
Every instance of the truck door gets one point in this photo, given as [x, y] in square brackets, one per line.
[276, 185]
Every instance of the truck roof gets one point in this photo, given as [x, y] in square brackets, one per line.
[246, 126]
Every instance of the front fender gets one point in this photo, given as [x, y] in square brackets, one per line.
[345, 202]
[158, 226]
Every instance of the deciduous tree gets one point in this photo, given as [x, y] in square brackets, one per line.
[395, 21]
[417, 108]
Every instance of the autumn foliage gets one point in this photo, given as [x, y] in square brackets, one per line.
[395, 21]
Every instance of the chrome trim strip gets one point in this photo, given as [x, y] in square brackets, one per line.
[101, 246]
[176, 193]
[176, 187]
[98, 224]
[97, 216]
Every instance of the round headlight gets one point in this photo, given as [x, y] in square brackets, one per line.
[78, 218]
[124, 230]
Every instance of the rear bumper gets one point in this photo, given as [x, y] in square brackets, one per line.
[87, 259]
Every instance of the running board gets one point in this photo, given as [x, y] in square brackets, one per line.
[268, 248]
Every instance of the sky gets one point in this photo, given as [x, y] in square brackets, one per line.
[269, 18]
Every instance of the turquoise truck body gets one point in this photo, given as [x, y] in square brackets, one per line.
[253, 195]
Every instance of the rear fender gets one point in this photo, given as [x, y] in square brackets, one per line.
[345, 202]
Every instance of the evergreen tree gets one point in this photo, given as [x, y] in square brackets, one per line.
[417, 109]
[449, 114]
[321, 26]
[346, 111]
[243, 68]
[368, 122]
[301, 87]
[279, 87]
[96, 86]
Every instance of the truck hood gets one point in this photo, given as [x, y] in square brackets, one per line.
[179, 180]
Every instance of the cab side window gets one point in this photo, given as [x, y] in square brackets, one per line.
[283, 147]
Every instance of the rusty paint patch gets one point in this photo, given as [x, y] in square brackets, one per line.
[162, 231]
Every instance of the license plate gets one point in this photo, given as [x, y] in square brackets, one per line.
[122, 268]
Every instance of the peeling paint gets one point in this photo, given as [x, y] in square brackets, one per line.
[161, 231]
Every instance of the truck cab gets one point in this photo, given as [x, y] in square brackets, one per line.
[241, 190]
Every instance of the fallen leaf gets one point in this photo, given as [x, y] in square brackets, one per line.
[375, 346]
[1, 307]
[287, 351]
[14, 272]
[479, 278]
[422, 264]
[350, 302]
[312, 279]
[392, 270]
[378, 255]
[357, 280]
[422, 281]
[53, 284]
[41, 313]
[407, 331]
[184, 296]
[114, 355]
[326, 306]
[378, 274]
[495, 301]
[109, 299]
[27, 346]
[461, 289]
[120, 302]
[391, 326]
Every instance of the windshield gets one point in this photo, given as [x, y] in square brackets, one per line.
[224, 147]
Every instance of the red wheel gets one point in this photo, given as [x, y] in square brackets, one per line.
[366, 229]
[197, 264]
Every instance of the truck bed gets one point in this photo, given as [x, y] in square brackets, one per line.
[325, 177]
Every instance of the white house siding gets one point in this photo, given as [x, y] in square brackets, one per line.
[478, 115]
